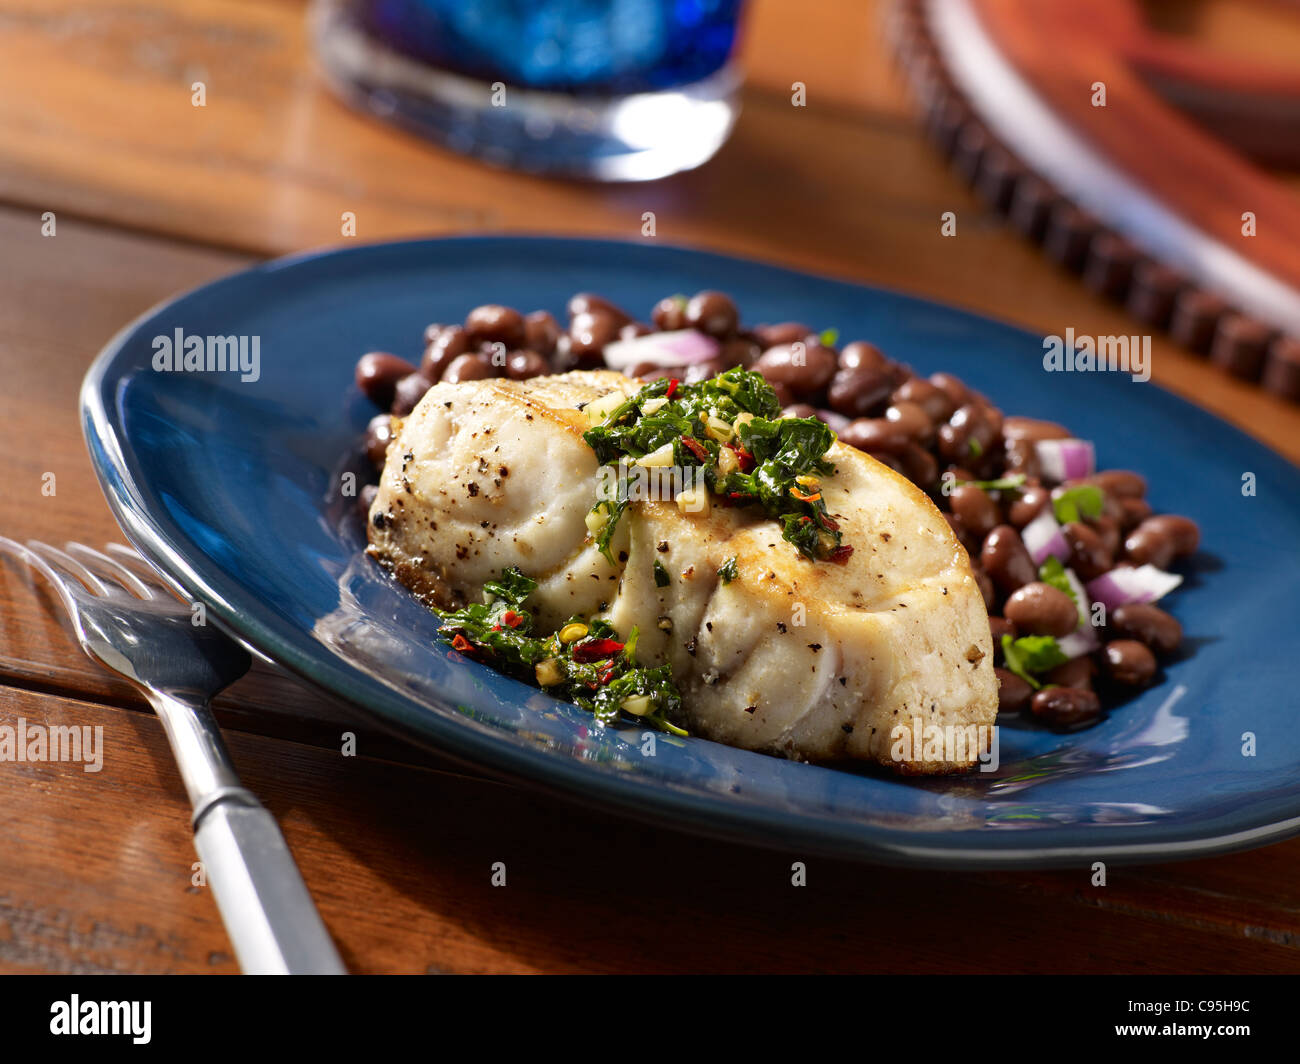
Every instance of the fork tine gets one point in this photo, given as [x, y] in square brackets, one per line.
[61, 584]
[132, 560]
[107, 567]
[61, 559]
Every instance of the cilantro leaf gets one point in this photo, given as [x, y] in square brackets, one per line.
[1031, 654]
[1082, 500]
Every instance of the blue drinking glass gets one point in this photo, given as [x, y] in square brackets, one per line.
[612, 90]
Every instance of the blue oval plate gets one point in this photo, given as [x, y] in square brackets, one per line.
[232, 486]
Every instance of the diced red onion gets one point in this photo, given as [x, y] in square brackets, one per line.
[1081, 598]
[1043, 537]
[684, 347]
[1126, 584]
[1066, 459]
[1079, 642]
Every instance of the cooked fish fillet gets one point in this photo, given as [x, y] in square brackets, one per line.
[806, 659]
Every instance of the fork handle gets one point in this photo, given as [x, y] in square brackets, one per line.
[269, 915]
[264, 903]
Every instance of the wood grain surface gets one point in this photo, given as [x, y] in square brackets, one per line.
[153, 196]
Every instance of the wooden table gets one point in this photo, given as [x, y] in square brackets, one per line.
[153, 195]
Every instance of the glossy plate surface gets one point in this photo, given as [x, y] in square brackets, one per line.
[233, 488]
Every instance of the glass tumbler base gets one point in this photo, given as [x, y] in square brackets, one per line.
[638, 137]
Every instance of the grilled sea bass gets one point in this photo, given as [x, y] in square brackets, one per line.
[807, 659]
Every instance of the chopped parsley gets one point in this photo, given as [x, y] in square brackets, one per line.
[1031, 654]
[730, 429]
[584, 662]
[829, 337]
[728, 570]
[661, 575]
[1082, 500]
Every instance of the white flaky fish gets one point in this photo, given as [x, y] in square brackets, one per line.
[805, 659]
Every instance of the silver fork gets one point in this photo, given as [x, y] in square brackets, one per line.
[128, 620]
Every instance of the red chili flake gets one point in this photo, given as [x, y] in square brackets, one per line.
[696, 448]
[739, 496]
[496, 628]
[672, 388]
[743, 456]
[607, 673]
[512, 619]
[596, 650]
[840, 555]
[462, 644]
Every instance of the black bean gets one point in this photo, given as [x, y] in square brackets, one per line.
[589, 303]
[590, 331]
[1004, 557]
[1027, 505]
[467, 367]
[1028, 428]
[713, 313]
[1022, 457]
[804, 369]
[918, 465]
[968, 434]
[930, 398]
[987, 591]
[669, 315]
[1107, 529]
[786, 332]
[1133, 512]
[1077, 672]
[493, 323]
[739, 351]
[1014, 694]
[862, 355]
[645, 370]
[1065, 707]
[1088, 555]
[1159, 540]
[1147, 623]
[978, 511]
[379, 434]
[1121, 483]
[377, 375]
[450, 344]
[859, 392]
[875, 434]
[953, 387]
[911, 418]
[366, 497]
[998, 627]
[523, 365]
[409, 391]
[1129, 662]
[541, 331]
[1041, 609]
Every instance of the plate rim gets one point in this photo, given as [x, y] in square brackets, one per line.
[710, 816]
